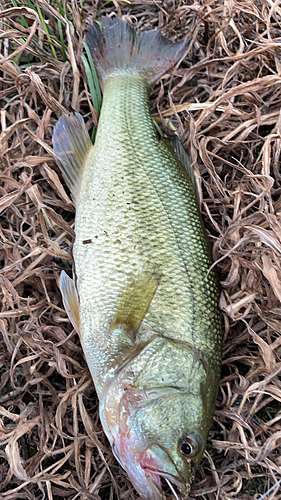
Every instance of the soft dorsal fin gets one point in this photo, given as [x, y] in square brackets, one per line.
[70, 299]
[135, 301]
[176, 146]
[71, 147]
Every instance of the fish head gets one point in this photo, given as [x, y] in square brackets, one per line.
[158, 434]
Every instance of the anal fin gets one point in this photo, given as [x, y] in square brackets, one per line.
[70, 299]
[135, 301]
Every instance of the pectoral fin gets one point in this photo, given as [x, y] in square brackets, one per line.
[70, 299]
[135, 302]
[71, 147]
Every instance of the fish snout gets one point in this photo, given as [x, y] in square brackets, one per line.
[157, 464]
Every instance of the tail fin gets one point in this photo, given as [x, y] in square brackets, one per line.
[118, 49]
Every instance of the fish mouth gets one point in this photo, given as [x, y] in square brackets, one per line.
[154, 479]
[151, 487]
[157, 465]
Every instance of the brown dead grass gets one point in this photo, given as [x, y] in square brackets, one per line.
[225, 102]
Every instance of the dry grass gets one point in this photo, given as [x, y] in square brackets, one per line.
[224, 100]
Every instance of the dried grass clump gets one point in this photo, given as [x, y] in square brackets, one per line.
[224, 100]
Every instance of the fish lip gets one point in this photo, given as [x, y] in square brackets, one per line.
[152, 461]
[156, 473]
[154, 476]
[166, 475]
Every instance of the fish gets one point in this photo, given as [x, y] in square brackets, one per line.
[144, 295]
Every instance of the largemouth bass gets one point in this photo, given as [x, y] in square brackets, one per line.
[143, 299]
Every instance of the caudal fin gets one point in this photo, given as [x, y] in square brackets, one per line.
[118, 48]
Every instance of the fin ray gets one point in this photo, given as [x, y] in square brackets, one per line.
[136, 300]
[176, 146]
[71, 147]
[70, 299]
[118, 48]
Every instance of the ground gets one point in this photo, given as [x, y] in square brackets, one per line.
[224, 102]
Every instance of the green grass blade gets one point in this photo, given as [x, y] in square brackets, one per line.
[23, 21]
[158, 129]
[30, 4]
[92, 90]
[61, 9]
[94, 78]
[61, 41]
[110, 1]
[46, 30]
[91, 84]
[93, 135]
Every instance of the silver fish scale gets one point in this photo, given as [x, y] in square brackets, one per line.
[138, 208]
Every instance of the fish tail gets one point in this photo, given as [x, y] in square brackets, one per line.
[117, 49]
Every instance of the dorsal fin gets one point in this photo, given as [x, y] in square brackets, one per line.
[71, 147]
[176, 146]
[70, 299]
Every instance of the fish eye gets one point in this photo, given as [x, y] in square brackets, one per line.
[189, 447]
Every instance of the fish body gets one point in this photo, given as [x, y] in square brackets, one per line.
[144, 301]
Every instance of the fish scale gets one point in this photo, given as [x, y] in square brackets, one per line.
[145, 295]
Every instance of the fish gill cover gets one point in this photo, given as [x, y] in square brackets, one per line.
[224, 101]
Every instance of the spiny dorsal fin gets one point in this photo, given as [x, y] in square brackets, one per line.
[136, 300]
[176, 146]
[118, 49]
[71, 147]
[70, 299]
